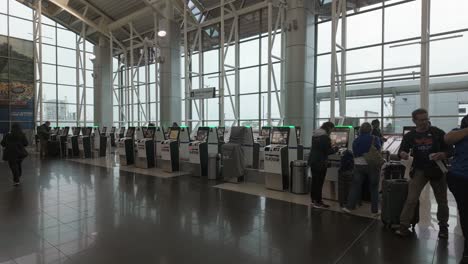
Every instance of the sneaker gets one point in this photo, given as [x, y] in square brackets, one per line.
[346, 210]
[443, 232]
[16, 183]
[403, 232]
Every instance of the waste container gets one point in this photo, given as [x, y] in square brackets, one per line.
[299, 177]
[213, 166]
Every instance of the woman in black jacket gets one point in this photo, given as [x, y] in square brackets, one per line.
[15, 151]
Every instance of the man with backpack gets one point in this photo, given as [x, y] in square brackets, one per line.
[428, 147]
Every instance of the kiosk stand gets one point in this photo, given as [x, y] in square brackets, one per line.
[263, 140]
[278, 155]
[159, 137]
[145, 149]
[85, 143]
[127, 148]
[170, 151]
[100, 142]
[184, 142]
[63, 138]
[72, 143]
[112, 136]
[206, 143]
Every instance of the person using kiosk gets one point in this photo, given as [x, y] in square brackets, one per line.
[127, 148]
[318, 162]
[44, 134]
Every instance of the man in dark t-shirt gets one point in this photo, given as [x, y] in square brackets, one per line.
[427, 145]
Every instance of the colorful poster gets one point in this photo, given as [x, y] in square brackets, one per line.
[4, 93]
[21, 94]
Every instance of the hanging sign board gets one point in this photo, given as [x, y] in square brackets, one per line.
[204, 93]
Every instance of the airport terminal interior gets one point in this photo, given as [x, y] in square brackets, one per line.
[179, 131]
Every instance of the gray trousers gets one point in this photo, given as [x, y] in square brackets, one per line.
[416, 185]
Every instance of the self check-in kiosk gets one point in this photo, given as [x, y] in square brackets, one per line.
[112, 136]
[120, 134]
[159, 138]
[206, 143]
[184, 142]
[170, 150]
[145, 149]
[85, 143]
[278, 155]
[127, 148]
[63, 138]
[72, 143]
[198, 152]
[342, 138]
[100, 142]
[263, 140]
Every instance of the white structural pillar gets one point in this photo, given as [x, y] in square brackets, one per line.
[298, 91]
[103, 90]
[171, 98]
[425, 47]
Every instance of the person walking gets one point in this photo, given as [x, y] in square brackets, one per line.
[362, 170]
[44, 134]
[14, 144]
[428, 146]
[457, 179]
[318, 162]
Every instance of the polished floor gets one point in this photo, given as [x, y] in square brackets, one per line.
[69, 212]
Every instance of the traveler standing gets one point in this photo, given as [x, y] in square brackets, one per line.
[376, 130]
[428, 146]
[44, 134]
[15, 151]
[363, 170]
[457, 178]
[318, 161]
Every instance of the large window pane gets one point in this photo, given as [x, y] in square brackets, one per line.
[49, 92]
[21, 70]
[324, 37]
[49, 54]
[19, 10]
[323, 70]
[448, 15]
[67, 94]
[249, 106]
[210, 61]
[402, 56]
[364, 29]
[67, 112]
[66, 57]
[249, 53]
[3, 25]
[403, 21]
[21, 49]
[49, 73]
[249, 80]
[212, 108]
[449, 56]
[66, 38]
[20, 28]
[48, 35]
[66, 75]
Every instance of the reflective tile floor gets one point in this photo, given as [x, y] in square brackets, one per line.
[67, 212]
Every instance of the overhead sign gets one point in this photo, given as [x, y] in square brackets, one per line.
[204, 93]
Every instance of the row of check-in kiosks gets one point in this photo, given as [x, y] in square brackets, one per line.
[272, 150]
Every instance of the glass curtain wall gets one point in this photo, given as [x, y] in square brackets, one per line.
[58, 64]
[383, 63]
[252, 92]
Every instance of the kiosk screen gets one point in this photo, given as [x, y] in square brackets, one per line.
[339, 139]
[174, 134]
[130, 132]
[87, 131]
[202, 135]
[265, 132]
[148, 132]
[76, 131]
[113, 130]
[279, 137]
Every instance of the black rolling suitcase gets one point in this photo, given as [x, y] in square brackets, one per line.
[394, 194]
[394, 170]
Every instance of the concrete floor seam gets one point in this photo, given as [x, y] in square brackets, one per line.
[355, 241]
